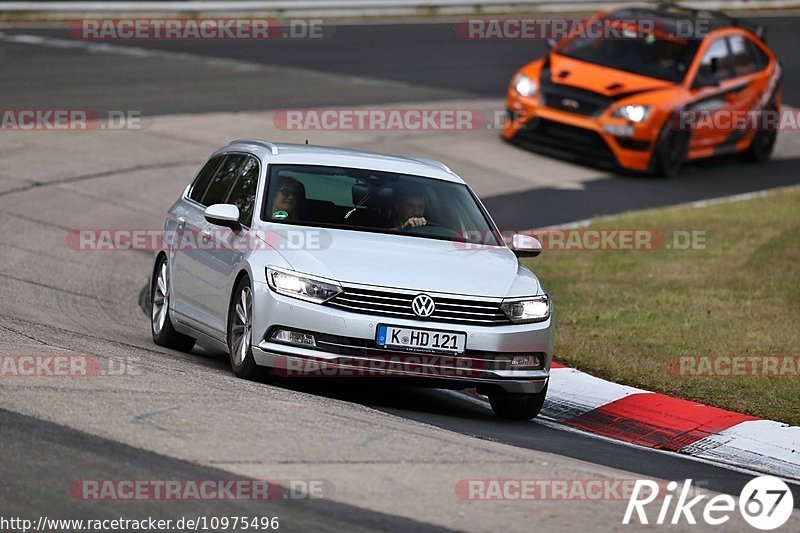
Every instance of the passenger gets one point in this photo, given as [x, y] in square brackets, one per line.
[288, 199]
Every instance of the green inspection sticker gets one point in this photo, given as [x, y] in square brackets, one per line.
[280, 215]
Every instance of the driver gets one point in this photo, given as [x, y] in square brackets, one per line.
[409, 210]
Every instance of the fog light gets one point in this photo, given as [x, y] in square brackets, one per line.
[532, 361]
[293, 337]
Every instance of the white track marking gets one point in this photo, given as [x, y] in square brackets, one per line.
[233, 64]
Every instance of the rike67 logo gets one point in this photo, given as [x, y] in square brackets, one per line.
[765, 503]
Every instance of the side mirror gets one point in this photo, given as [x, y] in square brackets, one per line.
[225, 215]
[525, 245]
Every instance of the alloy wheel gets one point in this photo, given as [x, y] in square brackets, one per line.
[160, 299]
[242, 326]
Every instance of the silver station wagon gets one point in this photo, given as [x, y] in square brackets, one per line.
[304, 261]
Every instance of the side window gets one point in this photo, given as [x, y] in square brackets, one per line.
[762, 59]
[203, 178]
[744, 62]
[243, 192]
[222, 180]
[716, 62]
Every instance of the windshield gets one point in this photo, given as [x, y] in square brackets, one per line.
[654, 55]
[375, 201]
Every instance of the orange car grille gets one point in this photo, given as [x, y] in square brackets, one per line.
[574, 100]
[566, 140]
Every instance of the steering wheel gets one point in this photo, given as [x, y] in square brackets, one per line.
[428, 223]
[431, 228]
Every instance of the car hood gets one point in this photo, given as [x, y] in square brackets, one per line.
[408, 262]
[600, 79]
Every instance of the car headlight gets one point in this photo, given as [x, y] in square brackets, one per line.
[523, 311]
[302, 287]
[525, 86]
[634, 113]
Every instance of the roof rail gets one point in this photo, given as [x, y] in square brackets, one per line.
[273, 148]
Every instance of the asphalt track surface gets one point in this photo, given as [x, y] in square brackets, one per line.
[422, 56]
[70, 455]
[365, 64]
[52, 300]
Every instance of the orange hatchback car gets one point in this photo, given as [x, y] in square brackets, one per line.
[660, 87]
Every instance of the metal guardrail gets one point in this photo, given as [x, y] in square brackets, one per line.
[431, 6]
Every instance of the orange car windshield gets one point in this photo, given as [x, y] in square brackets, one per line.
[654, 54]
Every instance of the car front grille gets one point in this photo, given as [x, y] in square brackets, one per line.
[574, 100]
[632, 144]
[567, 140]
[393, 303]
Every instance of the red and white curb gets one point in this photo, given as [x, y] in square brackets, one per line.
[628, 414]
[580, 401]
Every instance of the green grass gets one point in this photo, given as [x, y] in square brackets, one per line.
[623, 315]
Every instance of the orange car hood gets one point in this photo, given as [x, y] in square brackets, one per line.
[600, 79]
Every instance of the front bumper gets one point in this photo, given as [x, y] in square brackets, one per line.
[346, 348]
[596, 140]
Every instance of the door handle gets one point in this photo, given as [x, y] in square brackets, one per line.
[181, 221]
[205, 235]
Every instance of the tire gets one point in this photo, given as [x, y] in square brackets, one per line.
[240, 332]
[671, 150]
[518, 406]
[164, 333]
[762, 145]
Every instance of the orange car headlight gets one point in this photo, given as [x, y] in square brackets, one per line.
[634, 113]
[525, 86]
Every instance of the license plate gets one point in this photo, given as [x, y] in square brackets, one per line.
[421, 339]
